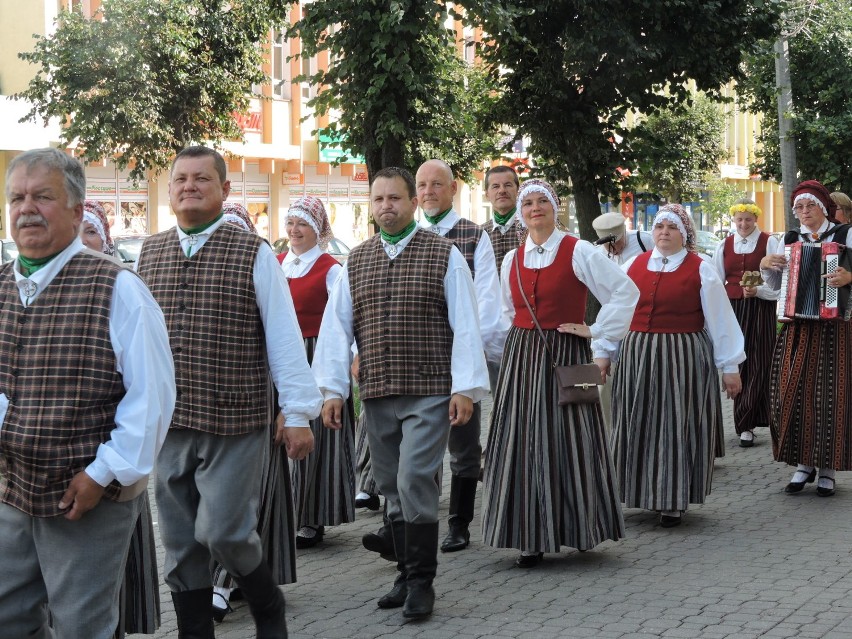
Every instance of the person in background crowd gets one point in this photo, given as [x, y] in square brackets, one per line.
[436, 188]
[408, 387]
[619, 244]
[231, 324]
[843, 214]
[82, 342]
[665, 399]
[811, 378]
[754, 307]
[323, 482]
[549, 479]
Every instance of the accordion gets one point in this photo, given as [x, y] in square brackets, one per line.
[805, 294]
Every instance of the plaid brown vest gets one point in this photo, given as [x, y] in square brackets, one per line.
[59, 373]
[400, 317]
[502, 243]
[215, 329]
[465, 235]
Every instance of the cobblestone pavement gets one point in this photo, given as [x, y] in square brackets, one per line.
[751, 562]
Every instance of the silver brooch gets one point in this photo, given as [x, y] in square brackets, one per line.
[665, 260]
[436, 230]
[539, 249]
[30, 288]
[392, 250]
[193, 240]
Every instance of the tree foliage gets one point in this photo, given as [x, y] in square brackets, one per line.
[717, 200]
[146, 78]
[821, 82]
[677, 146]
[573, 69]
[395, 89]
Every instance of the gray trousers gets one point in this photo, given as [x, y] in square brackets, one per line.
[408, 436]
[465, 447]
[208, 495]
[77, 566]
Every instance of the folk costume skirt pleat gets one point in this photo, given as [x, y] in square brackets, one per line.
[811, 394]
[276, 519]
[364, 466]
[667, 415]
[139, 609]
[757, 320]
[549, 479]
[324, 482]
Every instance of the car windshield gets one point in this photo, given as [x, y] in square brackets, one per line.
[127, 248]
[10, 251]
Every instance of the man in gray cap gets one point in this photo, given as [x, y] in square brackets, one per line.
[616, 241]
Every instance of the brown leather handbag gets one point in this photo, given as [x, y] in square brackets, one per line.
[577, 384]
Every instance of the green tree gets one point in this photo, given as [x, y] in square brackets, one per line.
[150, 77]
[395, 89]
[573, 69]
[677, 146]
[717, 199]
[821, 81]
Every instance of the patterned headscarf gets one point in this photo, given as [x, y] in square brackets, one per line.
[536, 185]
[237, 214]
[815, 192]
[312, 210]
[94, 214]
[677, 214]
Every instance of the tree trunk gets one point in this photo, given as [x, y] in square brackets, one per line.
[786, 142]
[588, 205]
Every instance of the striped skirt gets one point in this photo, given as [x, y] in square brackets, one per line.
[139, 601]
[275, 521]
[811, 395]
[364, 465]
[667, 415]
[324, 482]
[757, 320]
[549, 480]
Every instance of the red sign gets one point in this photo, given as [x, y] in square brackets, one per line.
[250, 122]
[360, 176]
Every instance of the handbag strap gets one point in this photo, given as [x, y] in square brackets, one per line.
[532, 314]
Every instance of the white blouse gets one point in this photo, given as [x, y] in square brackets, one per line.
[299, 265]
[744, 246]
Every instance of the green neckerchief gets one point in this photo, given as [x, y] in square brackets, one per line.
[502, 219]
[393, 239]
[437, 218]
[195, 230]
[30, 265]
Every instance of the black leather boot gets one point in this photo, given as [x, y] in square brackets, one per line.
[396, 597]
[381, 541]
[265, 601]
[421, 564]
[192, 608]
[462, 498]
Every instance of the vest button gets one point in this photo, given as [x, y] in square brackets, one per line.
[20, 346]
[22, 320]
[181, 306]
[178, 349]
[179, 393]
[184, 285]
[180, 327]
[187, 264]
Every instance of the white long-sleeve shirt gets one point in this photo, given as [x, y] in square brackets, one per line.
[298, 265]
[744, 246]
[298, 396]
[140, 341]
[485, 284]
[719, 319]
[467, 363]
[771, 277]
[615, 291]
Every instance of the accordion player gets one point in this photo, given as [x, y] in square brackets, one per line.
[805, 292]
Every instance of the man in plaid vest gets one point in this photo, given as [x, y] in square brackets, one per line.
[86, 394]
[436, 188]
[406, 297]
[231, 324]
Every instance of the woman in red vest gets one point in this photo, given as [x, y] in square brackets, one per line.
[665, 400]
[323, 482]
[754, 307]
[549, 480]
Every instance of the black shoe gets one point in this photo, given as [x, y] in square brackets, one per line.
[458, 537]
[310, 542]
[370, 503]
[218, 613]
[529, 561]
[192, 608]
[826, 492]
[796, 486]
[397, 595]
[420, 601]
[669, 521]
[381, 542]
[747, 443]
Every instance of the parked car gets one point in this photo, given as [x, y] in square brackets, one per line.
[706, 242]
[337, 249]
[10, 251]
[127, 247]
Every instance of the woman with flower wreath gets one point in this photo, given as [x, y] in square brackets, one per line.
[754, 307]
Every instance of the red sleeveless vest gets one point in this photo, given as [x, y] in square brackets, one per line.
[310, 295]
[736, 265]
[669, 302]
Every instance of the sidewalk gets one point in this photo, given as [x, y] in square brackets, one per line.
[751, 562]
